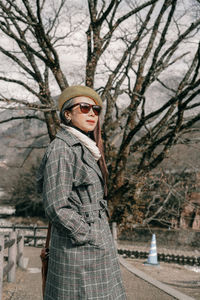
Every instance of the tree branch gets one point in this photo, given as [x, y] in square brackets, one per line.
[21, 118]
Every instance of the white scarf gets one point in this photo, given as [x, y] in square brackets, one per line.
[88, 142]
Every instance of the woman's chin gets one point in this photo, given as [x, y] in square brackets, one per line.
[88, 127]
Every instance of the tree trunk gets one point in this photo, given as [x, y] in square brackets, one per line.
[52, 122]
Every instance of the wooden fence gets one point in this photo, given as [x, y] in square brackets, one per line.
[34, 228]
[15, 245]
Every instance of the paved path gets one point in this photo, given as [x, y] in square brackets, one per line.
[28, 283]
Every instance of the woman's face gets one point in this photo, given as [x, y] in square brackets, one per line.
[86, 122]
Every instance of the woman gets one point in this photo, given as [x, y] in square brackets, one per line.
[83, 261]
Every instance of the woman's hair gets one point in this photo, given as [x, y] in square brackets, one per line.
[102, 162]
[65, 107]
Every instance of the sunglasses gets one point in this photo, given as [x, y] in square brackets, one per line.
[86, 107]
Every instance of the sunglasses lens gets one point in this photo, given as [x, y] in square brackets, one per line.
[85, 108]
[96, 109]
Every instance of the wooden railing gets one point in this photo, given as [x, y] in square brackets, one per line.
[33, 228]
[15, 245]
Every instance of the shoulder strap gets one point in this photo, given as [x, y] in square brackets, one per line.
[48, 236]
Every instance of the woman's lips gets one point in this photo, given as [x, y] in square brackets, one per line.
[91, 121]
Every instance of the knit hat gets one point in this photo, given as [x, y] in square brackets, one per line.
[78, 91]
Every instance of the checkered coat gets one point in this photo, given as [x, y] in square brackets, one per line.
[83, 262]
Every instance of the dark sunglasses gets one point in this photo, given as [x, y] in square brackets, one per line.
[86, 107]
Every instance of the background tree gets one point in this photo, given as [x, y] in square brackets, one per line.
[25, 197]
[131, 47]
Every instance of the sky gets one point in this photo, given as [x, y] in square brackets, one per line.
[72, 53]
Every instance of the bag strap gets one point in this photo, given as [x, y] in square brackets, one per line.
[48, 236]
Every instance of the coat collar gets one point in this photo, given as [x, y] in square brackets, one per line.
[72, 140]
[67, 137]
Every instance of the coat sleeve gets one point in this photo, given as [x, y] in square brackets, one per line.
[58, 180]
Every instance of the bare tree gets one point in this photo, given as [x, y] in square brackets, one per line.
[130, 50]
[36, 55]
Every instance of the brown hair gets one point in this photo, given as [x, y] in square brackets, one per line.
[102, 162]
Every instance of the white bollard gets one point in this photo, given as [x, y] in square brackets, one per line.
[114, 232]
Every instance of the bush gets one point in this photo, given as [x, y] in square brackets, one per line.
[24, 195]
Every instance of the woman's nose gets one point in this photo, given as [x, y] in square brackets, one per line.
[91, 112]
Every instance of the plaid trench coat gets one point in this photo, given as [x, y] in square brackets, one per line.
[83, 261]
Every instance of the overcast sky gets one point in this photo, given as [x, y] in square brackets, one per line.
[73, 52]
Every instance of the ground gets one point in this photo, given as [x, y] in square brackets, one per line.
[186, 279]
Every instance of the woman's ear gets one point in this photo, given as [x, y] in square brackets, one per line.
[67, 115]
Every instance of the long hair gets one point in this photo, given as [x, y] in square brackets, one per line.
[102, 162]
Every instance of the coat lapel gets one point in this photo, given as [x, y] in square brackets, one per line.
[90, 161]
[88, 158]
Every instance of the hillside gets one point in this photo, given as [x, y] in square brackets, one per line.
[22, 143]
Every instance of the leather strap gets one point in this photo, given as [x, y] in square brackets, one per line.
[48, 236]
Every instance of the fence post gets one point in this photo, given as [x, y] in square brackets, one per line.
[12, 257]
[20, 251]
[1, 263]
[35, 233]
[114, 232]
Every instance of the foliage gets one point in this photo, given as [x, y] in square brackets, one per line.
[24, 195]
[159, 199]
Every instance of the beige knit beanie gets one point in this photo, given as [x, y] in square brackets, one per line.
[77, 91]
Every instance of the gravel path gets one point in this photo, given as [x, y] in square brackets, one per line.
[28, 282]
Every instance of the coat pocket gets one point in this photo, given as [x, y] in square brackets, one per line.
[97, 237]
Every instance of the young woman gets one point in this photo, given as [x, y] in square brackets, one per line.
[83, 261]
